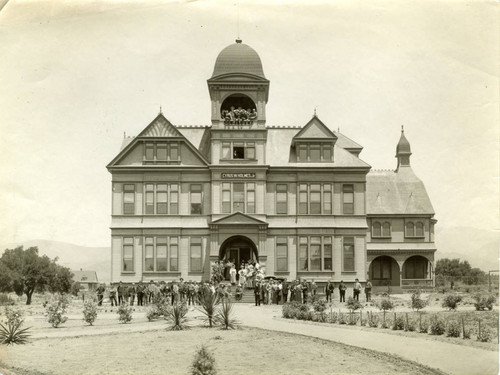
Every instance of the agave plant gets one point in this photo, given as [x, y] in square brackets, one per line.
[208, 304]
[13, 334]
[176, 316]
[225, 315]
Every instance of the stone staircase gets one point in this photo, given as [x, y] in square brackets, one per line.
[248, 297]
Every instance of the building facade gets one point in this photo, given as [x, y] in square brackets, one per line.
[298, 200]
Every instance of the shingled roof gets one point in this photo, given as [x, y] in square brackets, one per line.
[396, 192]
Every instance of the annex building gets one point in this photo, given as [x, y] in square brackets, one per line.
[299, 200]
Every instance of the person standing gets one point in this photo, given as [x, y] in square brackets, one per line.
[357, 289]
[112, 295]
[368, 291]
[140, 293]
[256, 292]
[100, 294]
[232, 274]
[132, 292]
[342, 289]
[329, 291]
[120, 290]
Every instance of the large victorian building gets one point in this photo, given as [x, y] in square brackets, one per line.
[298, 200]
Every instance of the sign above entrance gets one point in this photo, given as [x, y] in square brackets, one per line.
[237, 175]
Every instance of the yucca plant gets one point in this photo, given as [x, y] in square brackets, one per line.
[208, 304]
[176, 316]
[225, 315]
[13, 334]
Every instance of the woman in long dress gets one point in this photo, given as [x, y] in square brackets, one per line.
[232, 274]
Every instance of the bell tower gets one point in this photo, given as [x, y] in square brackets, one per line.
[403, 151]
[238, 89]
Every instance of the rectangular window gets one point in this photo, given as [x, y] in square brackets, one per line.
[149, 152]
[174, 199]
[174, 151]
[161, 151]
[315, 207]
[128, 254]
[161, 199]
[251, 198]
[238, 197]
[315, 250]
[348, 199]
[196, 204]
[195, 254]
[303, 201]
[250, 150]
[281, 199]
[314, 153]
[348, 254]
[327, 199]
[281, 254]
[226, 150]
[150, 200]
[161, 254]
[303, 254]
[302, 153]
[327, 254]
[226, 198]
[174, 254]
[149, 255]
[239, 151]
[327, 153]
[129, 199]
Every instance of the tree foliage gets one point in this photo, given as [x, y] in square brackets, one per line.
[25, 271]
[457, 269]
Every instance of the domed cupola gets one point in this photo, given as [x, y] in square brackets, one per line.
[238, 58]
[403, 150]
[238, 88]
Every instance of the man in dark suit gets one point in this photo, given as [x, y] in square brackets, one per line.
[342, 289]
[256, 292]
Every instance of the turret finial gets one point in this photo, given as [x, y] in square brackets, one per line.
[161, 110]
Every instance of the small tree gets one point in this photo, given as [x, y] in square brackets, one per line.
[124, 312]
[451, 301]
[416, 302]
[203, 362]
[385, 305]
[56, 309]
[75, 288]
[89, 311]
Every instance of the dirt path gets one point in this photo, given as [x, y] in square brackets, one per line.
[449, 358]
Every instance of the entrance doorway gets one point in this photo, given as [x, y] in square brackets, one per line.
[238, 250]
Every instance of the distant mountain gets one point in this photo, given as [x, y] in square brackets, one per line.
[480, 247]
[73, 256]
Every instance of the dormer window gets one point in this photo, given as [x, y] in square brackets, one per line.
[314, 152]
[238, 150]
[161, 152]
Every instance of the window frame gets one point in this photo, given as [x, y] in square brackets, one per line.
[171, 152]
[414, 224]
[192, 192]
[192, 243]
[345, 205]
[125, 204]
[283, 242]
[278, 202]
[307, 243]
[344, 244]
[132, 260]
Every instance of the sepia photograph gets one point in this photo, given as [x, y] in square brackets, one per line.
[276, 187]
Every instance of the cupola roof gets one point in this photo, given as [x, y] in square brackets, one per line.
[403, 147]
[238, 58]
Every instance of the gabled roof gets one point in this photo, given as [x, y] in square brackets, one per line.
[347, 143]
[160, 127]
[315, 129]
[399, 193]
[238, 218]
[85, 276]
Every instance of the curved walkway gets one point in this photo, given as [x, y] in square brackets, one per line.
[449, 358]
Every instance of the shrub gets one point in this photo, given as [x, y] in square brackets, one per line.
[342, 319]
[373, 320]
[437, 326]
[386, 323]
[208, 303]
[14, 315]
[320, 305]
[89, 311]
[225, 315]
[398, 324]
[56, 309]
[453, 329]
[423, 325]
[353, 305]
[385, 305]
[416, 302]
[176, 317]
[6, 300]
[484, 302]
[153, 313]
[75, 288]
[484, 335]
[13, 334]
[353, 319]
[451, 301]
[203, 362]
[124, 312]
[410, 324]
[333, 317]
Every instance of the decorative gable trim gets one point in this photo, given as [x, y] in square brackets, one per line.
[315, 129]
[238, 218]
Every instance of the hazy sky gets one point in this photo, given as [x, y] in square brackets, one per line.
[75, 75]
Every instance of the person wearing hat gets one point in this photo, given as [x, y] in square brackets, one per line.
[256, 292]
[368, 291]
[357, 289]
[329, 291]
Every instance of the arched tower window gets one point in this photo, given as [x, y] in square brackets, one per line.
[419, 230]
[238, 109]
[410, 229]
[377, 229]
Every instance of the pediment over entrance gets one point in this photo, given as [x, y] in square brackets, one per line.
[238, 218]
